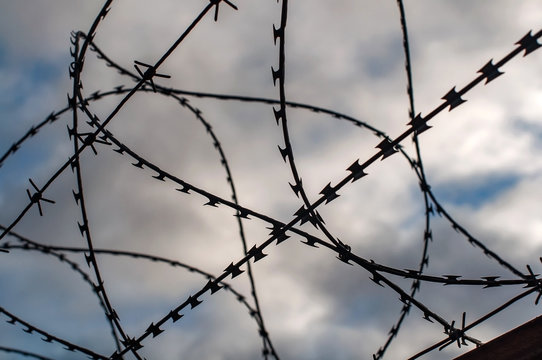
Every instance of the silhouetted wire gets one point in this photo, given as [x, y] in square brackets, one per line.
[234, 269]
[216, 144]
[150, 73]
[387, 147]
[212, 199]
[47, 337]
[453, 99]
[75, 69]
[459, 334]
[75, 73]
[306, 211]
[446, 280]
[23, 353]
[32, 245]
[57, 251]
[427, 235]
[451, 280]
[438, 207]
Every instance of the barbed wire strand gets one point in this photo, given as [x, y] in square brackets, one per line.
[438, 206]
[208, 195]
[57, 251]
[23, 353]
[268, 347]
[387, 147]
[458, 335]
[279, 228]
[75, 73]
[232, 269]
[151, 71]
[453, 99]
[75, 68]
[31, 245]
[427, 234]
[47, 337]
[246, 212]
[416, 165]
[287, 153]
[235, 270]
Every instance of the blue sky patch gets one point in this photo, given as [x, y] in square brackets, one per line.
[32, 74]
[380, 65]
[475, 192]
[529, 127]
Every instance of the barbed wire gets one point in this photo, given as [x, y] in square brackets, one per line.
[57, 252]
[23, 353]
[102, 137]
[29, 328]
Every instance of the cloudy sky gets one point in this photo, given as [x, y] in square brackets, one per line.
[481, 160]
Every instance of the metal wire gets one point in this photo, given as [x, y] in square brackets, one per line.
[101, 137]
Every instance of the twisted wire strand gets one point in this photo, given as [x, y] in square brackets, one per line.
[310, 239]
[453, 99]
[234, 269]
[23, 353]
[417, 165]
[387, 148]
[268, 347]
[32, 245]
[279, 228]
[47, 337]
[309, 214]
[415, 287]
[79, 196]
[246, 212]
[92, 137]
[459, 334]
[439, 208]
[57, 251]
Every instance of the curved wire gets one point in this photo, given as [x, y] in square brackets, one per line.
[357, 170]
[23, 353]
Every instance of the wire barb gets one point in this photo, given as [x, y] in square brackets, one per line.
[149, 74]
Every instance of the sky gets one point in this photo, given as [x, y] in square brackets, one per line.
[481, 160]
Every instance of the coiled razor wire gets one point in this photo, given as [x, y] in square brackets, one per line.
[101, 137]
